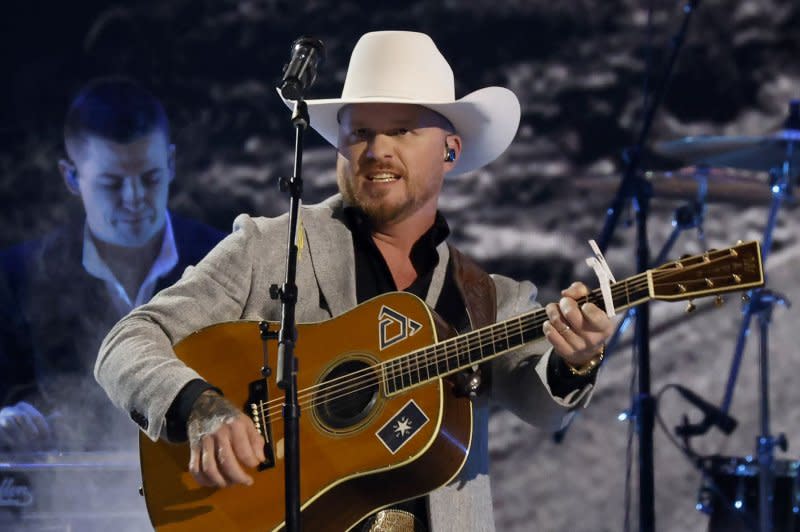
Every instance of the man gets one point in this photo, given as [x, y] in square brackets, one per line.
[61, 294]
[398, 130]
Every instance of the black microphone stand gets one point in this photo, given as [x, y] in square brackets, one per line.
[635, 187]
[287, 337]
[298, 75]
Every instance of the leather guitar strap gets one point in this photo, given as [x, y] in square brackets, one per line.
[477, 290]
[480, 298]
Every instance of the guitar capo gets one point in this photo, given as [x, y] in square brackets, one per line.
[604, 277]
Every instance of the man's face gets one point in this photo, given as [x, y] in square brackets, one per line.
[391, 159]
[124, 187]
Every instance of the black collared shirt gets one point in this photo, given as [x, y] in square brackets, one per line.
[374, 278]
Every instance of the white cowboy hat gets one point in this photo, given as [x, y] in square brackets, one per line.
[406, 67]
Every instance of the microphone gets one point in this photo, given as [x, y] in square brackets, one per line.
[301, 71]
[713, 416]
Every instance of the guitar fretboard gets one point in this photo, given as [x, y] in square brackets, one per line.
[466, 350]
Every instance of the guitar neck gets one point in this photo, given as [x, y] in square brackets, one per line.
[464, 351]
[713, 272]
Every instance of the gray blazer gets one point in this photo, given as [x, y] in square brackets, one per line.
[139, 371]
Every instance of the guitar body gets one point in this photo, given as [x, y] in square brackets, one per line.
[363, 446]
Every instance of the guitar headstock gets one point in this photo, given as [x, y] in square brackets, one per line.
[713, 272]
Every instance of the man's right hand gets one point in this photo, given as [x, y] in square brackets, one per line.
[24, 428]
[222, 440]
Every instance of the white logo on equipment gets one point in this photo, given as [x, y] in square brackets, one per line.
[403, 427]
[393, 327]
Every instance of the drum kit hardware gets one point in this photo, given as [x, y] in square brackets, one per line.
[766, 492]
[729, 493]
[718, 185]
[758, 154]
[759, 492]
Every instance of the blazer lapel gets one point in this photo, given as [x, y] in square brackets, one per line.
[329, 245]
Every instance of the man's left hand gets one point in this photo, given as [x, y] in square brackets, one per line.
[576, 334]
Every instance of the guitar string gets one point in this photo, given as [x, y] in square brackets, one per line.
[415, 363]
[404, 380]
[660, 272]
[420, 363]
[664, 270]
[449, 348]
[453, 350]
[483, 333]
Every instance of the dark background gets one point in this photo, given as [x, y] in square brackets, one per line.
[578, 68]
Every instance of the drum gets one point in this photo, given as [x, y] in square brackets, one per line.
[729, 494]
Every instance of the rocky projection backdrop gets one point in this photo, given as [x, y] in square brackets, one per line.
[579, 69]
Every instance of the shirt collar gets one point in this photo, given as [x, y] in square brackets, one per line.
[166, 259]
[359, 224]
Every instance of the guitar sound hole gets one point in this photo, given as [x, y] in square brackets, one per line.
[347, 394]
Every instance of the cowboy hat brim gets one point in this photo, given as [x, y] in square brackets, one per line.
[486, 120]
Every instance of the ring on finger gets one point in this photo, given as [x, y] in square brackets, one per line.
[565, 329]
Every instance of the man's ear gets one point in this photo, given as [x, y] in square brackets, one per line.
[171, 162]
[452, 142]
[70, 175]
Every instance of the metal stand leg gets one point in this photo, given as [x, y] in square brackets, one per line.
[761, 302]
[779, 192]
[766, 443]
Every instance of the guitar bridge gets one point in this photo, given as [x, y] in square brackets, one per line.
[258, 409]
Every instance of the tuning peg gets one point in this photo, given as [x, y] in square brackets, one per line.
[719, 301]
[745, 298]
[690, 307]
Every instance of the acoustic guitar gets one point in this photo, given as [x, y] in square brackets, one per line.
[381, 420]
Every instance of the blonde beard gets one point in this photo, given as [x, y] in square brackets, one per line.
[378, 212]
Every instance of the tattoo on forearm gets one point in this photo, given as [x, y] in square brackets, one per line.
[208, 414]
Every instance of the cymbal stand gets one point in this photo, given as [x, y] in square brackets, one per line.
[760, 302]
